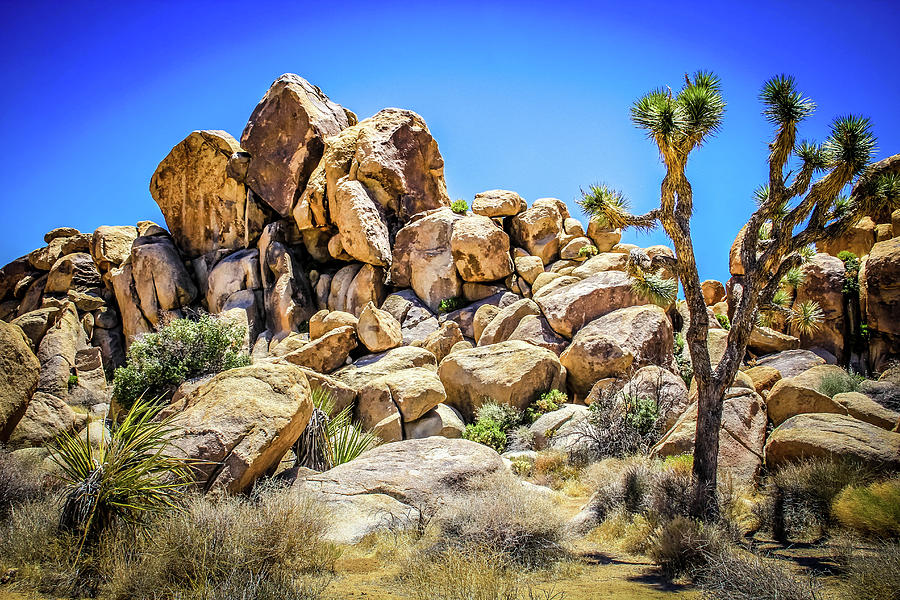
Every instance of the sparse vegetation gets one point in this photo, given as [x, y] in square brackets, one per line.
[459, 206]
[871, 510]
[587, 251]
[548, 402]
[682, 545]
[159, 362]
[723, 321]
[448, 305]
[875, 574]
[21, 480]
[734, 575]
[683, 360]
[837, 383]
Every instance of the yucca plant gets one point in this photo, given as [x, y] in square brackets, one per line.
[792, 212]
[124, 477]
[331, 439]
[806, 317]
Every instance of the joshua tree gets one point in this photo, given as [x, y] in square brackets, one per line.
[792, 213]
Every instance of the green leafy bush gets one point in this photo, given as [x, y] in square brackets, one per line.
[459, 206]
[450, 304]
[487, 432]
[548, 402]
[723, 321]
[837, 383]
[851, 272]
[505, 416]
[873, 509]
[587, 251]
[159, 362]
[641, 413]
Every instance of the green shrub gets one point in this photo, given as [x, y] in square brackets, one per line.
[723, 321]
[587, 251]
[872, 510]
[73, 381]
[641, 413]
[486, 432]
[450, 304]
[837, 383]
[459, 206]
[851, 272]
[875, 574]
[683, 359]
[548, 402]
[505, 416]
[158, 363]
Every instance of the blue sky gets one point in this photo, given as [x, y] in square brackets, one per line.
[523, 96]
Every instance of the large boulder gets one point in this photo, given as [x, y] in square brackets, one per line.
[393, 485]
[362, 225]
[879, 284]
[800, 394]
[767, 340]
[241, 422]
[618, 343]
[498, 203]
[480, 249]
[288, 294]
[378, 330]
[604, 238]
[824, 284]
[285, 137]
[535, 330]
[571, 305]
[369, 367]
[236, 272]
[858, 239]
[72, 272]
[133, 321]
[46, 418]
[537, 228]
[413, 392]
[206, 209]
[441, 420]
[423, 259]
[20, 368]
[57, 352]
[506, 320]
[828, 435]
[111, 245]
[741, 436]
[326, 353]
[514, 373]
[160, 278]
[866, 409]
[416, 320]
[791, 362]
[713, 291]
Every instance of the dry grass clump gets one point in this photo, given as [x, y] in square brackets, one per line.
[554, 469]
[682, 545]
[873, 510]
[729, 575]
[875, 574]
[269, 546]
[507, 517]
[21, 479]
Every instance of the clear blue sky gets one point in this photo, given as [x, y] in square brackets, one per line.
[523, 96]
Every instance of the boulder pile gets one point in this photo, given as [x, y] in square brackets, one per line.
[332, 241]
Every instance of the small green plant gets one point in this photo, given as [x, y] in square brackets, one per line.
[122, 478]
[873, 509]
[487, 432]
[641, 413]
[723, 321]
[851, 272]
[504, 415]
[450, 304]
[683, 359]
[73, 381]
[587, 251]
[807, 317]
[159, 362]
[838, 383]
[659, 290]
[331, 439]
[459, 206]
[548, 402]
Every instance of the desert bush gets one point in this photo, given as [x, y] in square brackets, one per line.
[682, 545]
[486, 432]
[157, 363]
[553, 469]
[799, 496]
[21, 480]
[587, 251]
[521, 438]
[724, 321]
[619, 425]
[450, 304]
[875, 574]
[548, 402]
[838, 383]
[630, 533]
[683, 359]
[727, 575]
[468, 574]
[459, 206]
[269, 544]
[505, 517]
[872, 510]
[504, 415]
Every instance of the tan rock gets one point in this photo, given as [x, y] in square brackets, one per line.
[414, 392]
[833, 436]
[286, 139]
[573, 249]
[326, 353]
[483, 316]
[480, 249]
[544, 278]
[569, 307]
[791, 362]
[498, 203]
[236, 272]
[364, 232]
[513, 373]
[535, 330]
[72, 271]
[205, 208]
[865, 409]
[133, 321]
[423, 259]
[160, 278]
[536, 230]
[713, 291]
[603, 237]
[663, 387]
[241, 423]
[442, 420]
[800, 394]
[605, 261]
[529, 267]
[370, 367]
[879, 283]
[378, 330]
[763, 378]
[735, 266]
[858, 239]
[883, 231]
[824, 284]
[111, 245]
[505, 322]
[45, 418]
[21, 370]
[442, 340]
[473, 292]
[617, 343]
[766, 340]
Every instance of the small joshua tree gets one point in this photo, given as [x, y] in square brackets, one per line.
[792, 213]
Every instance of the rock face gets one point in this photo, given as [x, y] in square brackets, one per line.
[205, 208]
[791, 362]
[242, 422]
[537, 228]
[824, 283]
[713, 291]
[619, 342]
[111, 246]
[389, 484]
[766, 340]
[423, 260]
[800, 394]
[513, 373]
[285, 137]
[865, 409]
[741, 436]
[858, 239]
[480, 250]
[326, 353]
[570, 307]
[160, 278]
[879, 283]
[833, 436]
[20, 369]
[441, 420]
[506, 321]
